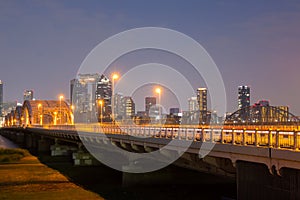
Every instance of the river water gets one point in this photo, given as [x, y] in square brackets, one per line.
[5, 143]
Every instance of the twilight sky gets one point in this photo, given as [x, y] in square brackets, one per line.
[43, 43]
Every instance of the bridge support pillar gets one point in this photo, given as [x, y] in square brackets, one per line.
[28, 141]
[61, 150]
[20, 138]
[254, 181]
[44, 145]
[82, 158]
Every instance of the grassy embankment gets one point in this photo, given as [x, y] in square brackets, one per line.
[22, 176]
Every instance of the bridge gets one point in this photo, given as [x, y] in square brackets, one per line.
[39, 112]
[252, 156]
[262, 157]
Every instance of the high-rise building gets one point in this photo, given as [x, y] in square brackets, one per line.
[104, 93]
[128, 107]
[1, 98]
[83, 96]
[193, 104]
[174, 111]
[28, 95]
[149, 102]
[202, 102]
[118, 106]
[243, 96]
[72, 84]
[244, 101]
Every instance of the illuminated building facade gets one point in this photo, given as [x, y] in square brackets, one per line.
[202, 102]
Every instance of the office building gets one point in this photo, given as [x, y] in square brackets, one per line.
[193, 104]
[174, 111]
[243, 96]
[244, 101]
[149, 102]
[202, 102]
[72, 84]
[118, 106]
[104, 94]
[128, 106]
[83, 97]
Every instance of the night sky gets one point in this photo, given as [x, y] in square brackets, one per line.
[255, 43]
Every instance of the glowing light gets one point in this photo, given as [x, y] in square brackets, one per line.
[158, 90]
[115, 76]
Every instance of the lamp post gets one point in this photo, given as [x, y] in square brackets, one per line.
[72, 114]
[60, 115]
[40, 115]
[114, 77]
[158, 91]
[55, 118]
[101, 107]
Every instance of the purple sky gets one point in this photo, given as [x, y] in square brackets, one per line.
[43, 43]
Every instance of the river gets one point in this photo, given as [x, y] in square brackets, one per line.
[5, 143]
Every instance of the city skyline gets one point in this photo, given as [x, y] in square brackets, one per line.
[250, 42]
[243, 91]
[149, 99]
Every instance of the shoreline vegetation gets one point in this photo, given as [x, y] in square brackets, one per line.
[24, 177]
[11, 155]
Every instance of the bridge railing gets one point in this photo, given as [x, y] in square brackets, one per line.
[255, 137]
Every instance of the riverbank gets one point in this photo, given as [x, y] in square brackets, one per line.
[56, 177]
[108, 184]
[27, 178]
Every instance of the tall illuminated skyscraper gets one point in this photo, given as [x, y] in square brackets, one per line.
[202, 102]
[244, 101]
[83, 96]
[104, 93]
[243, 96]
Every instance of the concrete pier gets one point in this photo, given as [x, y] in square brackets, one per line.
[254, 181]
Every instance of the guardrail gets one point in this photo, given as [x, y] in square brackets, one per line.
[255, 137]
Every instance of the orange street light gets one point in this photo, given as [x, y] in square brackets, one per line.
[101, 108]
[114, 77]
[55, 118]
[60, 115]
[41, 115]
[158, 91]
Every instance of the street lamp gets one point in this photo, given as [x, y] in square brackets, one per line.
[72, 114]
[60, 115]
[114, 77]
[40, 115]
[55, 118]
[158, 91]
[101, 107]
